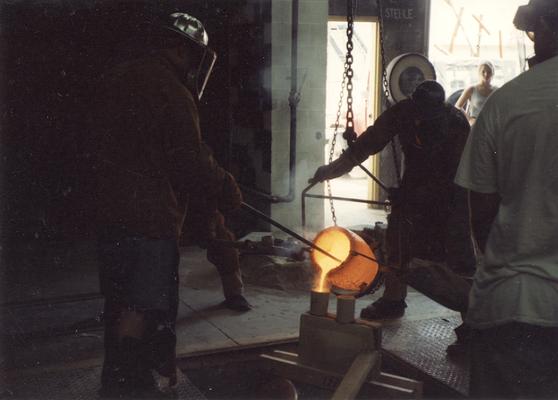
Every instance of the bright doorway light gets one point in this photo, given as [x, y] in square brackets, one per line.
[465, 32]
[365, 92]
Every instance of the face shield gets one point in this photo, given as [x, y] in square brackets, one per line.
[203, 72]
[192, 29]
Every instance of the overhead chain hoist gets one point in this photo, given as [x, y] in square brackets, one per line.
[349, 135]
[347, 83]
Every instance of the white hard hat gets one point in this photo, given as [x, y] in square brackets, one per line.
[189, 27]
[192, 29]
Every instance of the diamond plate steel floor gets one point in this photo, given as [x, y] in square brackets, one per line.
[74, 384]
[421, 346]
[416, 348]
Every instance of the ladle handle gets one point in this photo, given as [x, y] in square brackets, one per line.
[264, 217]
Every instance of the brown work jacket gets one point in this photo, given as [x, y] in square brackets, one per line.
[148, 152]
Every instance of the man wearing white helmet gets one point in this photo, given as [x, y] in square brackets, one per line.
[510, 168]
[149, 160]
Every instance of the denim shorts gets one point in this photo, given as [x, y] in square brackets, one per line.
[139, 272]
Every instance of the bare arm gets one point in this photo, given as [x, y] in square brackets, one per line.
[464, 98]
[483, 208]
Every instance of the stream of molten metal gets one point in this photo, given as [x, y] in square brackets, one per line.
[335, 243]
[321, 287]
[321, 284]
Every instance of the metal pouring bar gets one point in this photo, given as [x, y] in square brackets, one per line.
[304, 195]
[264, 217]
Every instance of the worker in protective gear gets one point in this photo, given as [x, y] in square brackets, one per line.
[149, 161]
[509, 168]
[432, 134]
[205, 222]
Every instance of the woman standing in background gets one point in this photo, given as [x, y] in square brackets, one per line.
[473, 98]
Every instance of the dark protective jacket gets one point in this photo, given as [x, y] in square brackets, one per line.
[427, 198]
[149, 156]
[432, 150]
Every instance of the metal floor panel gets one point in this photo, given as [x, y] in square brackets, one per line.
[74, 384]
[416, 348]
[421, 345]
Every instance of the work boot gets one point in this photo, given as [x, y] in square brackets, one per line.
[237, 303]
[384, 309]
[460, 347]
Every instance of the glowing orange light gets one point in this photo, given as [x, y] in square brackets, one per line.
[354, 272]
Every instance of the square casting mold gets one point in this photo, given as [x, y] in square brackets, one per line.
[329, 345]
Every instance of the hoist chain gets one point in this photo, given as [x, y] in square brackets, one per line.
[385, 87]
[332, 148]
[385, 83]
[349, 135]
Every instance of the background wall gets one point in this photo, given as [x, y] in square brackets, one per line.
[312, 42]
[51, 53]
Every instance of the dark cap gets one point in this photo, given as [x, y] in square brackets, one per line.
[429, 97]
[527, 16]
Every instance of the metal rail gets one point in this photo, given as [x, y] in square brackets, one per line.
[305, 194]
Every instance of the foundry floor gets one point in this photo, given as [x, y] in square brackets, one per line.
[44, 338]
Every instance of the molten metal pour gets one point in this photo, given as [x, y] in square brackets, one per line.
[337, 346]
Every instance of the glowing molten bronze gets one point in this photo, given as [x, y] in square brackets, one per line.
[354, 273]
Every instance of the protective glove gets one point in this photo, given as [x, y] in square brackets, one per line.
[334, 170]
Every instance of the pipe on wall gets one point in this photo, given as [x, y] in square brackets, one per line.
[294, 99]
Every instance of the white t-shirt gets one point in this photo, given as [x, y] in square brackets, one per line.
[513, 151]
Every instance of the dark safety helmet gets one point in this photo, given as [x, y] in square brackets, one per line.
[527, 16]
[429, 97]
[192, 29]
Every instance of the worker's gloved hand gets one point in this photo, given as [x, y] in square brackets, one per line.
[336, 169]
[231, 196]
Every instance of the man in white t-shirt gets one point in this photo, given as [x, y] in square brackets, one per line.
[510, 166]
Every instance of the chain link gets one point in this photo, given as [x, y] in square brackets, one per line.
[385, 83]
[385, 87]
[349, 135]
[332, 148]
[347, 83]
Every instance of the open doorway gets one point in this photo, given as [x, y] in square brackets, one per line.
[366, 91]
[469, 32]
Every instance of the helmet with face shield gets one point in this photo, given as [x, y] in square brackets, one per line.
[191, 28]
